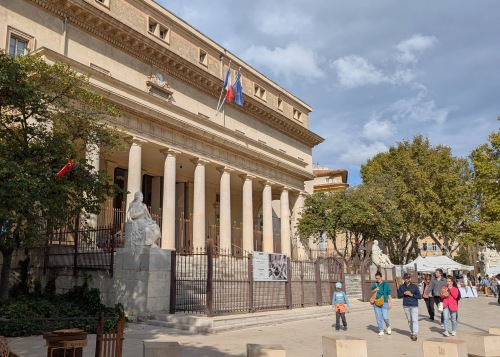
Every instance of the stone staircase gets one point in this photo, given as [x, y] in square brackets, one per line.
[353, 286]
[197, 324]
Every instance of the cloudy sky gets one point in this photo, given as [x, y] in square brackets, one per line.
[375, 72]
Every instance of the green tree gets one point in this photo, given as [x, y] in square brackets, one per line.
[48, 114]
[361, 214]
[432, 191]
[486, 185]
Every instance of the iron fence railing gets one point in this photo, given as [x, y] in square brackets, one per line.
[212, 281]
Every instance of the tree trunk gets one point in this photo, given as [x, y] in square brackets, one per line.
[4, 276]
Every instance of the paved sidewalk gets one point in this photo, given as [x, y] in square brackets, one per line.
[300, 338]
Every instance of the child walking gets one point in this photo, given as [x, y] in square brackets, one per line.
[340, 304]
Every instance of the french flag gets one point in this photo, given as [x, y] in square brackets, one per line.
[228, 86]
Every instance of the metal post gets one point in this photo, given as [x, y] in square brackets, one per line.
[210, 273]
[173, 281]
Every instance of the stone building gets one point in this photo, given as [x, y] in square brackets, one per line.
[204, 174]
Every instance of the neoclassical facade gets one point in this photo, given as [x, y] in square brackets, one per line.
[241, 170]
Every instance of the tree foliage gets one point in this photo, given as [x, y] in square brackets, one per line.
[432, 191]
[48, 114]
[486, 186]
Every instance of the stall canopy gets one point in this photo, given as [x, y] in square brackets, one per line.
[493, 270]
[446, 263]
[422, 265]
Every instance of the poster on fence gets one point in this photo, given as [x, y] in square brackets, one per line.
[269, 267]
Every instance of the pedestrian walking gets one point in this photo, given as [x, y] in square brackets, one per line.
[410, 294]
[449, 295]
[341, 305]
[436, 284]
[380, 289]
[428, 297]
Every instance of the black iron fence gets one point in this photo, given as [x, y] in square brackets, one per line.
[214, 282]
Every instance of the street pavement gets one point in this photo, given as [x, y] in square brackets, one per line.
[300, 338]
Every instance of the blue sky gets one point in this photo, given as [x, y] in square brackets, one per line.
[375, 72]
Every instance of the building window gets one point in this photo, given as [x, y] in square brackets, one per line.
[424, 246]
[157, 29]
[280, 105]
[434, 247]
[327, 179]
[19, 42]
[297, 115]
[203, 57]
[260, 92]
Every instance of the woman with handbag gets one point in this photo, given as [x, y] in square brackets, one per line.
[381, 293]
[449, 297]
[427, 295]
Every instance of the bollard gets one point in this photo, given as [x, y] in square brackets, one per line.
[444, 347]
[256, 350]
[161, 349]
[345, 346]
[481, 344]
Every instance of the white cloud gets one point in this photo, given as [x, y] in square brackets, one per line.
[274, 21]
[419, 109]
[354, 71]
[359, 152]
[378, 130]
[290, 62]
[410, 49]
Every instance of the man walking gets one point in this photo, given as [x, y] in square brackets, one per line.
[436, 284]
[410, 293]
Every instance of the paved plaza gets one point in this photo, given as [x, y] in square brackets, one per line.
[300, 338]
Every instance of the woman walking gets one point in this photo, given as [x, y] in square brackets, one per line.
[449, 297]
[427, 295]
[381, 289]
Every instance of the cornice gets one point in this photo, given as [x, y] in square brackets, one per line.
[100, 24]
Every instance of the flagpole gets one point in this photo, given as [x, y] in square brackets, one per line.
[219, 104]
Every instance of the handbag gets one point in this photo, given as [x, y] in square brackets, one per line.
[440, 306]
[377, 302]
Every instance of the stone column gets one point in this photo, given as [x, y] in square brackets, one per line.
[225, 209]
[92, 155]
[199, 224]
[285, 222]
[297, 210]
[168, 211]
[247, 229]
[134, 169]
[267, 217]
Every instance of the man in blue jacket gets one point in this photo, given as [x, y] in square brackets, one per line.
[410, 294]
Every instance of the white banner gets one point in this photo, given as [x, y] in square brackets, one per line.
[269, 267]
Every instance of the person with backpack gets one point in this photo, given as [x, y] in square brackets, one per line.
[340, 304]
[450, 296]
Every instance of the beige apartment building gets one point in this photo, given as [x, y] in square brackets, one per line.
[237, 176]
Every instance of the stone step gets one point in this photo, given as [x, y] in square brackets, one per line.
[200, 324]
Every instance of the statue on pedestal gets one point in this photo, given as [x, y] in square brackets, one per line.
[378, 257]
[145, 231]
[489, 257]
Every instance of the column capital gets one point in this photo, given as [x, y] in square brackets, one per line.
[138, 140]
[223, 169]
[200, 161]
[267, 183]
[170, 152]
[247, 177]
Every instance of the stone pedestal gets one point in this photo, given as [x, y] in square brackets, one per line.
[141, 279]
[481, 344]
[494, 331]
[344, 346]
[256, 350]
[444, 347]
[161, 349]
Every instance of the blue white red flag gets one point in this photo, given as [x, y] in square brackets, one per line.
[228, 86]
[238, 98]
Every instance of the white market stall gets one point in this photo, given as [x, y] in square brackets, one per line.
[448, 265]
[422, 266]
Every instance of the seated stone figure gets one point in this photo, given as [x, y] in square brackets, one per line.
[378, 257]
[145, 231]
